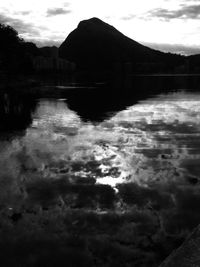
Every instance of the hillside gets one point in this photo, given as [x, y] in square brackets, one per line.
[96, 44]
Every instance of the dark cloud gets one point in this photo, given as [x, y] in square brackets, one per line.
[19, 25]
[57, 11]
[185, 12]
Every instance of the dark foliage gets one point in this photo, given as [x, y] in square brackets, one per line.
[15, 53]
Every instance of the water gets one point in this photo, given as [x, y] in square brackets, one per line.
[126, 182]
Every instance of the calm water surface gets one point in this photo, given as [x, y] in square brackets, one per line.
[154, 141]
[145, 157]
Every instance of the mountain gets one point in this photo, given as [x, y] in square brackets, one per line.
[193, 63]
[96, 44]
[49, 51]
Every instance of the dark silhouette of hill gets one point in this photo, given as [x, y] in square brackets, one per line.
[48, 51]
[96, 44]
[193, 63]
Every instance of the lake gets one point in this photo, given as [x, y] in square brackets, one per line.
[97, 182]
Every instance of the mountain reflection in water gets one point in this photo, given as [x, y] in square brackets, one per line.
[154, 140]
[128, 184]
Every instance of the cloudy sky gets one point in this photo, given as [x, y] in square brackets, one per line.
[169, 25]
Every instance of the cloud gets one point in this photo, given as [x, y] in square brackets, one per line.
[129, 17]
[19, 25]
[66, 4]
[24, 13]
[185, 12]
[57, 11]
[175, 48]
[41, 42]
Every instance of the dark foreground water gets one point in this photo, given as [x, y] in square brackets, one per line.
[119, 190]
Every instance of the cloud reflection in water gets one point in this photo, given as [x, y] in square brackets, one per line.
[149, 153]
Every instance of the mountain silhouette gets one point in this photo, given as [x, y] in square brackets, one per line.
[96, 44]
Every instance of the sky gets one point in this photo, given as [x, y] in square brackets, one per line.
[167, 25]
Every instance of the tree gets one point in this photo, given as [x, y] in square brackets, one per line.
[15, 53]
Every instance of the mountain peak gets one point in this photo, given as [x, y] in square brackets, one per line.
[93, 20]
[95, 24]
[96, 43]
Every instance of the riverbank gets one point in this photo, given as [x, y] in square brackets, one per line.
[17, 81]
